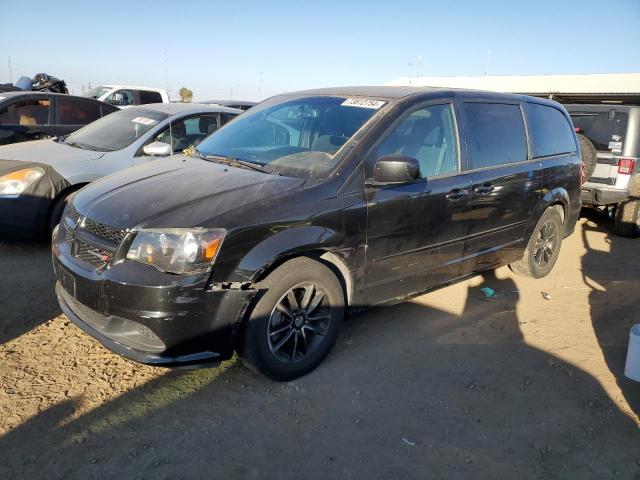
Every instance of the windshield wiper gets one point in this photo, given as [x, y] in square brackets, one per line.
[80, 145]
[235, 162]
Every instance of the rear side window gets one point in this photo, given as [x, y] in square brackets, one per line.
[107, 109]
[495, 134]
[72, 111]
[552, 133]
[149, 97]
[26, 112]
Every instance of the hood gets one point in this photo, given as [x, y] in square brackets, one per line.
[176, 192]
[48, 152]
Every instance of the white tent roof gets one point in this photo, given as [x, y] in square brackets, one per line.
[599, 83]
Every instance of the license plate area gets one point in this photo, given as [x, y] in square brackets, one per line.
[87, 291]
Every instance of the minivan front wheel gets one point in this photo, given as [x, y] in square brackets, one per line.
[543, 248]
[296, 321]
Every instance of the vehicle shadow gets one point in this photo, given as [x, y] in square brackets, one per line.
[411, 391]
[27, 296]
[614, 297]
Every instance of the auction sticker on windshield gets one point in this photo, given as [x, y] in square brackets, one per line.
[144, 121]
[363, 103]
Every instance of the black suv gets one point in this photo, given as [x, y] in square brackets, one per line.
[306, 205]
[37, 115]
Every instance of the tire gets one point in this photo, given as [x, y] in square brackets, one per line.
[55, 214]
[538, 260]
[589, 155]
[627, 219]
[285, 346]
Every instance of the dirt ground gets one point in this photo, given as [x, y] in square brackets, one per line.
[449, 385]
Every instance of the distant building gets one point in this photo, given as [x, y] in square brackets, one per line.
[592, 88]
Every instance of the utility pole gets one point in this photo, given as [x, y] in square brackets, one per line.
[419, 72]
[166, 74]
[486, 70]
[260, 87]
[10, 71]
[409, 65]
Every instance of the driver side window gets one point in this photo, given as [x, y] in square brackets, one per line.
[428, 135]
[121, 98]
[188, 132]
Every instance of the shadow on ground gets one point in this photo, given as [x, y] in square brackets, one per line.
[614, 298]
[410, 392]
[27, 297]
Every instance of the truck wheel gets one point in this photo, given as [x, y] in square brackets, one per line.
[543, 248]
[589, 155]
[627, 220]
[296, 322]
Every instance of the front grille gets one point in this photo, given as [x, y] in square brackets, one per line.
[103, 232]
[68, 236]
[72, 213]
[91, 242]
[95, 256]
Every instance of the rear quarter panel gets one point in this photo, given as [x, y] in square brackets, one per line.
[561, 185]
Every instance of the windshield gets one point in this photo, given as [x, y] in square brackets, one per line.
[96, 92]
[115, 131]
[298, 137]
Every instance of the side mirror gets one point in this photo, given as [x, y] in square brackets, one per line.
[395, 169]
[157, 149]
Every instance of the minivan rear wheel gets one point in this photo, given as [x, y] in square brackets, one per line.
[296, 321]
[543, 248]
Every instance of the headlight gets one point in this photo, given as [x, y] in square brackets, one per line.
[177, 250]
[15, 183]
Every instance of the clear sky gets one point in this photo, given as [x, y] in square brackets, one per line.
[218, 49]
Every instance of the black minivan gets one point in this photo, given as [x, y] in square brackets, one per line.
[307, 205]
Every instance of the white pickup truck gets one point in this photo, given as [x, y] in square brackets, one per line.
[126, 95]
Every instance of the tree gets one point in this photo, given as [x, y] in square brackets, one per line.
[186, 95]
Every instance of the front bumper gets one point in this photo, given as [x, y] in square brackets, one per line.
[27, 215]
[146, 315]
[602, 196]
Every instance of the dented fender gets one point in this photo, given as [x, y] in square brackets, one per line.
[283, 244]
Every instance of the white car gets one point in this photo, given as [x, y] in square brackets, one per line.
[37, 177]
[125, 95]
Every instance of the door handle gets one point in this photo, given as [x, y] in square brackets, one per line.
[457, 193]
[485, 189]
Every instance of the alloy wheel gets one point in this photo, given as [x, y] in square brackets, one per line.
[546, 244]
[298, 322]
